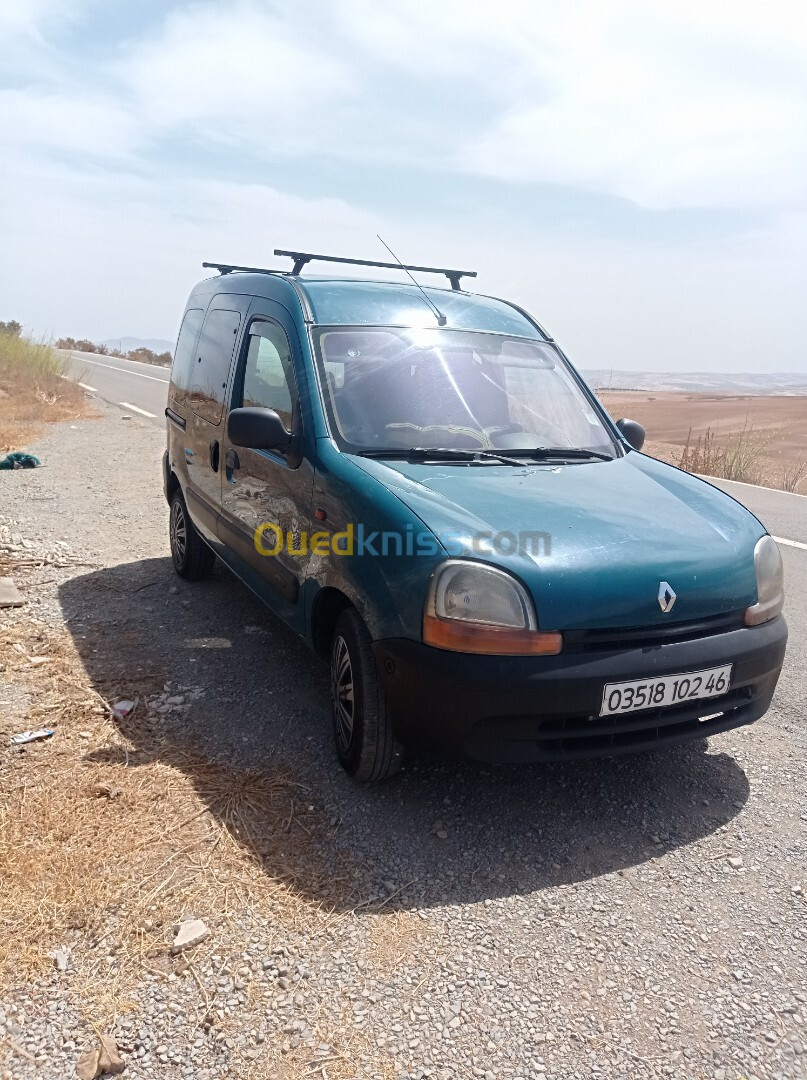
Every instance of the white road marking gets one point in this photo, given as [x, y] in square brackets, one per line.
[123, 371]
[759, 487]
[84, 386]
[790, 543]
[135, 408]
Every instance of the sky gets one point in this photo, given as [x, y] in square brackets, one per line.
[634, 174]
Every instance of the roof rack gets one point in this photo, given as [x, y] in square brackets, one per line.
[301, 258]
[229, 268]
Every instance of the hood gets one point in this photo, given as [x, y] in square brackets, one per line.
[591, 541]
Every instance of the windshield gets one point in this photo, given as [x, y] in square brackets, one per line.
[389, 388]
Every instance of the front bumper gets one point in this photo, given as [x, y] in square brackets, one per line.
[519, 709]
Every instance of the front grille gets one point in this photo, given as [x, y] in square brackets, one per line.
[556, 738]
[633, 637]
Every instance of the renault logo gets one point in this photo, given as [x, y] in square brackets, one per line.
[666, 596]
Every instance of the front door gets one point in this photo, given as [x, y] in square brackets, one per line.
[269, 489]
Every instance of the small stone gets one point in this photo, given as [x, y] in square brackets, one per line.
[88, 1065]
[61, 958]
[108, 791]
[735, 861]
[109, 1060]
[189, 933]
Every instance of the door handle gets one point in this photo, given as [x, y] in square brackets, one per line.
[214, 455]
[232, 464]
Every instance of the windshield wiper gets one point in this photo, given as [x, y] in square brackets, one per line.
[541, 452]
[441, 453]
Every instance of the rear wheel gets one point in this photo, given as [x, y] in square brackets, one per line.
[365, 741]
[191, 556]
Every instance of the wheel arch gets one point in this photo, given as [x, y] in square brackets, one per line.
[329, 604]
[172, 485]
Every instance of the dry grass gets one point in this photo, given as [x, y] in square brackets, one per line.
[738, 455]
[109, 836]
[115, 872]
[32, 391]
[793, 472]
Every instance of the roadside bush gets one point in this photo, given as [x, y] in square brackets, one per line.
[33, 362]
[738, 456]
[793, 473]
[147, 356]
[144, 355]
[32, 390]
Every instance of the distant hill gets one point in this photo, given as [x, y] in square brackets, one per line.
[126, 344]
[696, 382]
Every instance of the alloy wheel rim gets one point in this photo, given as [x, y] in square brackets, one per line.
[342, 692]
[179, 532]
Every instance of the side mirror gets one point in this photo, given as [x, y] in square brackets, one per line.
[632, 432]
[257, 429]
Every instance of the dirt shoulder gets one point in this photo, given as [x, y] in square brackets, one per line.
[576, 921]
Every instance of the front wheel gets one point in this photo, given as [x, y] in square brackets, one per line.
[365, 741]
[191, 556]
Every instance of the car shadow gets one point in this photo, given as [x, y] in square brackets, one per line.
[255, 707]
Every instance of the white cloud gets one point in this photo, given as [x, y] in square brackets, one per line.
[103, 253]
[236, 73]
[74, 124]
[26, 17]
[686, 105]
[659, 106]
[668, 106]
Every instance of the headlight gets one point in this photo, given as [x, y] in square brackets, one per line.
[476, 608]
[770, 583]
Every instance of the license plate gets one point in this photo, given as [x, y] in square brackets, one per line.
[661, 693]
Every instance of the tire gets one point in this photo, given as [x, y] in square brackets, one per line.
[192, 558]
[365, 741]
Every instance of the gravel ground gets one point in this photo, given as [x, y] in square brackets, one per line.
[632, 918]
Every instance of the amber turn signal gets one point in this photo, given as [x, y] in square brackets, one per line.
[457, 636]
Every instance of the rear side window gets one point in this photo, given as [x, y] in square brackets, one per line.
[212, 365]
[184, 353]
[268, 376]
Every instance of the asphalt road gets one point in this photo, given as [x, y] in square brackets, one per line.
[135, 387]
[783, 514]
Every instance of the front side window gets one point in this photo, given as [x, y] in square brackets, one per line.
[211, 368]
[268, 377]
[388, 388]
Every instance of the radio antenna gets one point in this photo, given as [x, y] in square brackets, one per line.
[441, 319]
